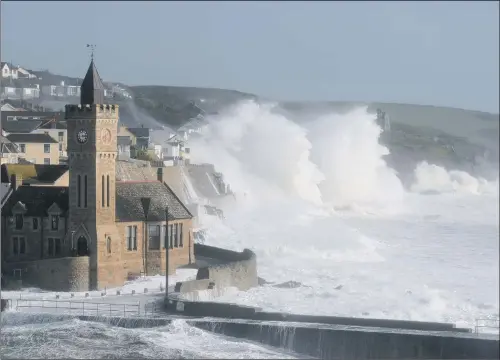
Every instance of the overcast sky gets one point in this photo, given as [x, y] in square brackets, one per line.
[436, 53]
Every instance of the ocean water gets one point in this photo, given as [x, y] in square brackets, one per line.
[29, 338]
[329, 218]
[326, 214]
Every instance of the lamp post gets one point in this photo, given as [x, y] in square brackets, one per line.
[145, 202]
[167, 245]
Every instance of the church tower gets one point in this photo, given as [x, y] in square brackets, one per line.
[92, 155]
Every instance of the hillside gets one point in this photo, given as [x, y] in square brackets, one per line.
[455, 138]
[173, 105]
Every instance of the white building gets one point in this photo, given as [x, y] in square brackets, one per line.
[54, 90]
[24, 73]
[8, 70]
[11, 92]
[31, 92]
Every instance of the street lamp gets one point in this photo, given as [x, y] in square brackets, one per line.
[167, 245]
[145, 202]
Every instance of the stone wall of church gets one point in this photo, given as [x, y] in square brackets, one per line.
[59, 274]
[117, 263]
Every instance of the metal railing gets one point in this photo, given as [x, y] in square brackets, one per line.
[78, 307]
[487, 324]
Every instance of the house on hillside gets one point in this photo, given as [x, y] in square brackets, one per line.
[106, 225]
[8, 70]
[49, 123]
[57, 128]
[25, 73]
[36, 148]
[123, 145]
[141, 137]
[54, 90]
[12, 92]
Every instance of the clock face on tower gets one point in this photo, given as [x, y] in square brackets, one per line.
[82, 136]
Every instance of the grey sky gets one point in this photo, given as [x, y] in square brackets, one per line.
[438, 53]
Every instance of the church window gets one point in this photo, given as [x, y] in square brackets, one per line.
[19, 222]
[54, 246]
[79, 190]
[176, 235]
[18, 245]
[154, 237]
[108, 245]
[54, 220]
[107, 190]
[85, 191]
[131, 238]
[170, 235]
[181, 244]
[102, 192]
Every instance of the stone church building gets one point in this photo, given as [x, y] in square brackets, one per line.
[83, 226]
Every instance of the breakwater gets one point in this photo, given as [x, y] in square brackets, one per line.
[320, 341]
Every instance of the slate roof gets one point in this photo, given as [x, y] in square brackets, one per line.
[139, 132]
[129, 207]
[54, 124]
[33, 172]
[92, 89]
[37, 199]
[32, 138]
[20, 126]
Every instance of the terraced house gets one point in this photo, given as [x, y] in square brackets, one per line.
[104, 222]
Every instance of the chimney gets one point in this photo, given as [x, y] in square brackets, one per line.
[159, 175]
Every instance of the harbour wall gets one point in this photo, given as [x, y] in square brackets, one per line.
[316, 340]
[224, 269]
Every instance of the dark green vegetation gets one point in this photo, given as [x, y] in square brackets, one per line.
[173, 105]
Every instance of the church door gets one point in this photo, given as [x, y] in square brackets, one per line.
[82, 247]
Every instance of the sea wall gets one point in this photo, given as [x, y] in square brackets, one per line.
[59, 274]
[229, 269]
[334, 342]
[318, 341]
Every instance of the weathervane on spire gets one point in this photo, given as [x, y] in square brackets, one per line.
[92, 48]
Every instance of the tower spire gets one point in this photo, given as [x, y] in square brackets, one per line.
[92, 88]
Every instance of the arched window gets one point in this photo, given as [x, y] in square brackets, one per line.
[85, 191]
[107, 190]
[79, 190]
[108, 245]
[102, 192]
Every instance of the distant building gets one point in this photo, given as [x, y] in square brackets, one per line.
[36, 148]
[25, 73]
[123, 144]
[106, 225]
[8, 70]
[32, 122]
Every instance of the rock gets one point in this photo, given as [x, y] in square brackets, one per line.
[288, 285]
